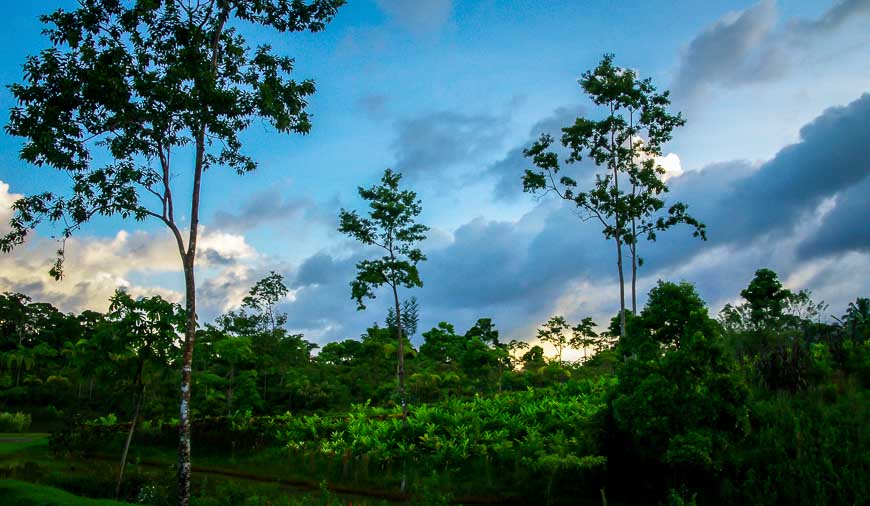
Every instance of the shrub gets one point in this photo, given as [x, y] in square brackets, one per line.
[14, 422]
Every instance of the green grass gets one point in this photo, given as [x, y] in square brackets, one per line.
[20, 493]
[15, 442]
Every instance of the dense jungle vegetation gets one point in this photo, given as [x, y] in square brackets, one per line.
[765, 405]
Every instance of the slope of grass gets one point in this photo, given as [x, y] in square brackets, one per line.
[13, 443]
[20, 493]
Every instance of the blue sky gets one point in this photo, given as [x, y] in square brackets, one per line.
[449, 93]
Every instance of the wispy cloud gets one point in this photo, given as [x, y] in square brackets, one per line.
[754, 45]
[422, 17]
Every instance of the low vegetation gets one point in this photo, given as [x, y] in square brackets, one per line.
[764, 405]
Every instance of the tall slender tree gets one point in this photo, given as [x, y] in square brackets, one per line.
[625, 197]
[128, 85]
[391, 226]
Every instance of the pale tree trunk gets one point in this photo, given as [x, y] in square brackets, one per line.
[617, 236]
[633, 245]
[189, 259]
[401, 368]
[401, 372]
[633, 272]
[139, 393]
[186, 381]
[621, 287]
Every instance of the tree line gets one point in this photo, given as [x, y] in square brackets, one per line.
[126, 359]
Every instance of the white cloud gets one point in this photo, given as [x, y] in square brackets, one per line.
[6, 201]
[218, 247]
[672, 165]
[94, 267]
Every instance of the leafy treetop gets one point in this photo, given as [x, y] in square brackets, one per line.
[390, 226]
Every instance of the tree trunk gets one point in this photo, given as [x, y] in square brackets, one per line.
[621, 287]
[232, 377]
[633, 245]
[265, 379]
[186, 368]
[617, 236]
[401, 371]
[138, 404]
[188, 258]
[633, 271]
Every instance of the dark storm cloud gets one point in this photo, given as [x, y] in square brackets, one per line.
[36, 290]
[749, 46]
[740, 204]
[269, 206]
[319, 269]
[832, 156]
[509, 170]
[845, 228]
[720, 53]
[428, 145]
[322, 307]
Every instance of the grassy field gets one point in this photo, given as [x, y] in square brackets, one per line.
[16, 442]
[20, 493]
[31, 474]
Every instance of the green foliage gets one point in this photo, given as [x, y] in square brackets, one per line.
[106, 421]
[673, 311]
[680, 497]
[533, 426]
[390, 226]
[410, 317]
[14, 422]
[766, 298]
[684, 410]
[805, 449]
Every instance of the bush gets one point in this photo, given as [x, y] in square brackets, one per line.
[14, 422]
[806, 449]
